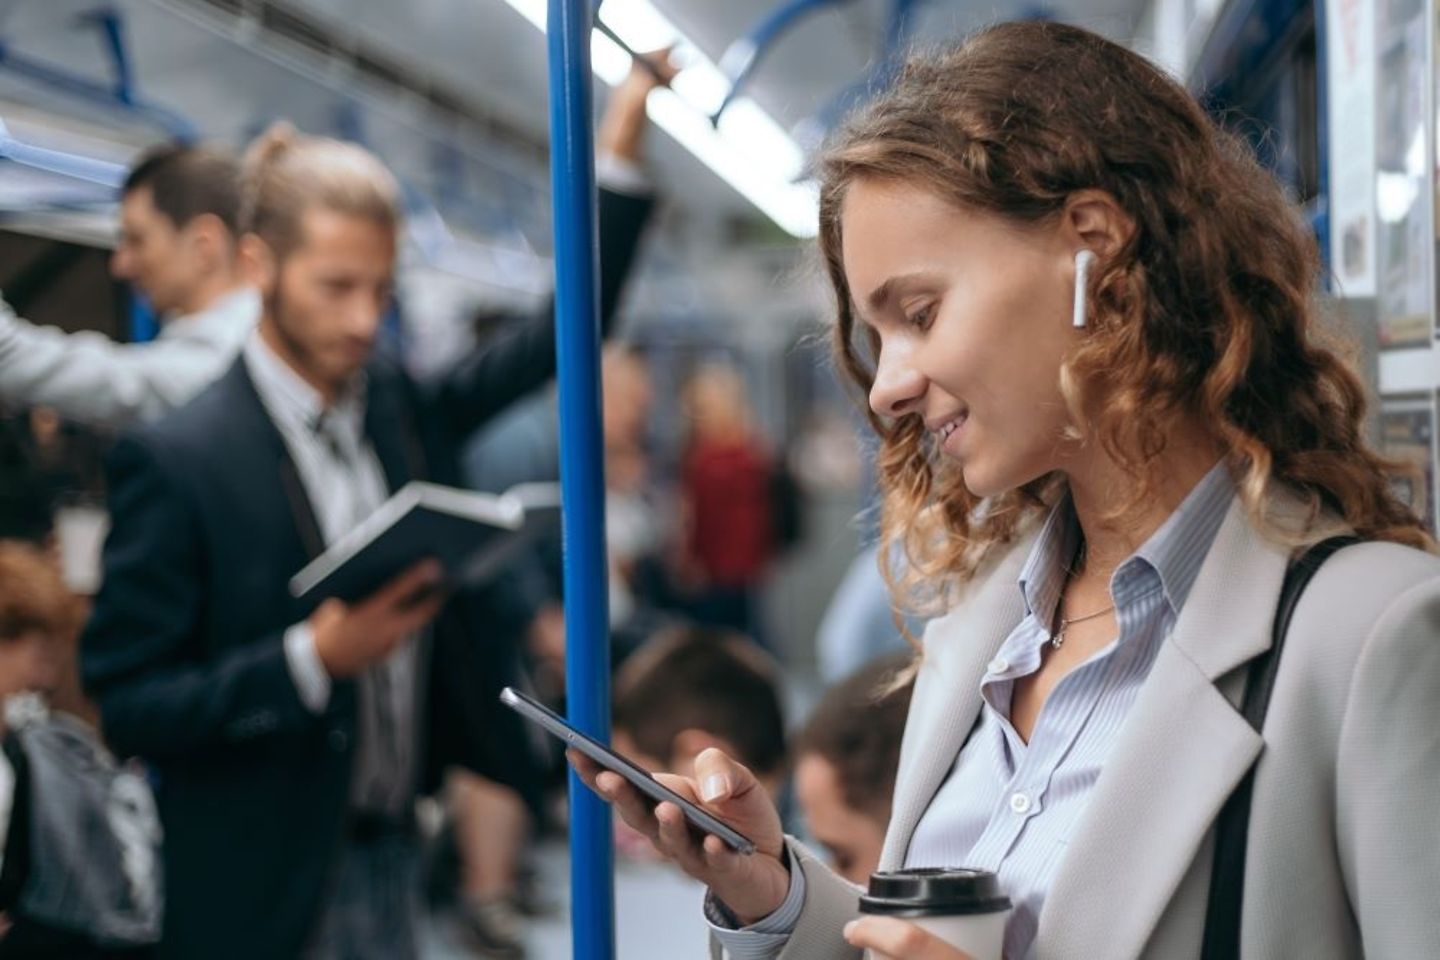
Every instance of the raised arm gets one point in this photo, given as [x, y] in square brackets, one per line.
[88, 377]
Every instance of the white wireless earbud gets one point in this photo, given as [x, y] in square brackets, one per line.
[1083, 259]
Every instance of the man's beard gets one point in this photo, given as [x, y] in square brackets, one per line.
[299, 352]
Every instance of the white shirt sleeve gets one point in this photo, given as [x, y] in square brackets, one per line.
[88, 377]
[765, 938]
[306, 670]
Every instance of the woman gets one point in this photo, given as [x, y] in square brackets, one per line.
[1108, 512]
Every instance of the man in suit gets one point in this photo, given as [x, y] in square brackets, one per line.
[289, 739]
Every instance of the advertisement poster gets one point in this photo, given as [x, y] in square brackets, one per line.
[1351, 65]
[1403, 179]
[1407, 436]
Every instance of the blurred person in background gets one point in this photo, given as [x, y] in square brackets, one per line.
[860, 622]
[726, 490]
[698, 688]
[177, 246]
[845, 759]
[289, 738]
[79, 875]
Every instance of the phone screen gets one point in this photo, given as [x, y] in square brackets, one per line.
[558, 727]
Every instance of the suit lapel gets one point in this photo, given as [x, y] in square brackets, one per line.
[387, 424]
[1180, 754]
[250, 413]
[946, 701]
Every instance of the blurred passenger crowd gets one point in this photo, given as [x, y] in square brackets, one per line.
[196, 763]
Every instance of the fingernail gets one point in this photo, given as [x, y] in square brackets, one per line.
[714, 787]
[849, 928]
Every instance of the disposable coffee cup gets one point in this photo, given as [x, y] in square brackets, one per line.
[963, 907]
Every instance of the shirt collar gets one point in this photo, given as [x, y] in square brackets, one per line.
[1175, 551]
[293, 401]
[242, 302]
[1043, 576]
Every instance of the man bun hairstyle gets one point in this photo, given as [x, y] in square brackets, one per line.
[287, 173]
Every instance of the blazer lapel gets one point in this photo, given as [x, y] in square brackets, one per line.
[251, 414]
[1182, 751]
[388, 426]
[946, 702]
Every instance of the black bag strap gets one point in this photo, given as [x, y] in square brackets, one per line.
[1232, 828]
[17, 844]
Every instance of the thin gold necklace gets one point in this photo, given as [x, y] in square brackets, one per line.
[1057, 635]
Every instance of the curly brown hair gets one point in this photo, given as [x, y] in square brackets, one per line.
[1207, 310]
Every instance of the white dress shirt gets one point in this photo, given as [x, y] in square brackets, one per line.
[344, 483]
[1010, 806]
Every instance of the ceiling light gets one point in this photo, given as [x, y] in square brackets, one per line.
[749, 150]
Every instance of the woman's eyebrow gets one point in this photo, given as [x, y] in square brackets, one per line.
[882, 295]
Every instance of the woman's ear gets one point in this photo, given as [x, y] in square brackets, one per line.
[1094, 220]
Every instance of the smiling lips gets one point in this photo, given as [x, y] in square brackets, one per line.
[946, 428]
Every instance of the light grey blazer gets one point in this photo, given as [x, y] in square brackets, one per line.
[1344, 848]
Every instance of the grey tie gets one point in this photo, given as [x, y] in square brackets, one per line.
[381, 742]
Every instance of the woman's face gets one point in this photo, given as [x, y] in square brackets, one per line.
[974, 318]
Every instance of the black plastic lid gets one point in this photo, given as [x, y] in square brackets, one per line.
[936, 892]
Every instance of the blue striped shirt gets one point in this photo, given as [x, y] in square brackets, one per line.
[1009, 806]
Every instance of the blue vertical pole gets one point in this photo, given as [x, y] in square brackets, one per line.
[577, 329]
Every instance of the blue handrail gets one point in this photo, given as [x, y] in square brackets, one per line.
[100, 172]
[121, 95]
[742, 56]
[577, 329]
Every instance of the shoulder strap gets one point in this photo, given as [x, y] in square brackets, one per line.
[1232, 828]
[16, 867]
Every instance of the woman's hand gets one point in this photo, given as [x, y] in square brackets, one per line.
[754, 886]
[890, 939]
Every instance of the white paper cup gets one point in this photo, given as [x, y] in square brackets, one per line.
[963, 907]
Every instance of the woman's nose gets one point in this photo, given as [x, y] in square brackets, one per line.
[898, 385]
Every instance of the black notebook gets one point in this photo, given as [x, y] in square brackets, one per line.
[470, 533]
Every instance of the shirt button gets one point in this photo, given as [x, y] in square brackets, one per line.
[999, 665]
[339, 740]
[1020, 803]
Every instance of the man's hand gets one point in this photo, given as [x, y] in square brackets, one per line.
[890, 939]
[350, 638]
[754, 886]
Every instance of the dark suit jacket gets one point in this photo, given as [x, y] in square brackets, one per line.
[184, 651]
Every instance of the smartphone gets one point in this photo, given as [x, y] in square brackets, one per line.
[610, 760]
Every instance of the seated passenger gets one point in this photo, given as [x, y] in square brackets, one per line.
[698, 688]
[845, 760]
[79, 839]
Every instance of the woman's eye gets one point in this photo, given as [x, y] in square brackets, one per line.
[921, 318]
